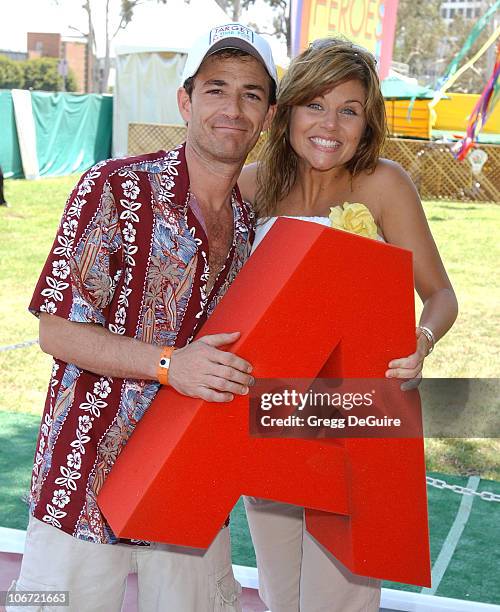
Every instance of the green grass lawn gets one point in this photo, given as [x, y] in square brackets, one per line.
[467, 235]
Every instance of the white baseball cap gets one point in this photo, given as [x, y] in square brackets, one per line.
[229, 36]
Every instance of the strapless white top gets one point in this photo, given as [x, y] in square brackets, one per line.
[264, 226]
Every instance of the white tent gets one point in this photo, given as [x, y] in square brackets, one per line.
[150, 56]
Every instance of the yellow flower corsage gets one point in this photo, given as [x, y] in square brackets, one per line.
[354, 218]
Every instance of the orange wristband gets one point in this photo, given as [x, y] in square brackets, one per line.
[164, 364]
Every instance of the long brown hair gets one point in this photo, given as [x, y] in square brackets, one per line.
[326, 63]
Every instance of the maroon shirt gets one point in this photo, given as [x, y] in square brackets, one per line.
[129, 255]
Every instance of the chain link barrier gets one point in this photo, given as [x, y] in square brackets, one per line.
[441, 484]
[19, 345]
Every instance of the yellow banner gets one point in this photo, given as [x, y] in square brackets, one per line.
[369, 23]
[359, 20]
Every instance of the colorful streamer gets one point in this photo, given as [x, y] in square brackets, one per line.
[452, 72]
[478, 27]
[458, 73]
[482, 110]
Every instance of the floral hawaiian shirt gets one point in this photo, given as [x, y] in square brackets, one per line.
[130, 255]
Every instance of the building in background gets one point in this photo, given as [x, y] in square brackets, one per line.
[16, 56]
[72, 51]
[468, 9]
[43, 44]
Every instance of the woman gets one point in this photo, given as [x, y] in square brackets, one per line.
[322, 151]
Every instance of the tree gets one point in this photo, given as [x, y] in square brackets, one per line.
[71, 83]
[125, 17]
[42, 74]
[281, 22]
[418, 45]
[474, 79]
[114, 23]
[234, 8]
[11, 74]
[99, 80]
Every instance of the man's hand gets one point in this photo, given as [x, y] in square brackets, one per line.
[202, 370]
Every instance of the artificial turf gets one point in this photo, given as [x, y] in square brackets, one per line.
[471, 575]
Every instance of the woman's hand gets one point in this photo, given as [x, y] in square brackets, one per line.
[410, 367]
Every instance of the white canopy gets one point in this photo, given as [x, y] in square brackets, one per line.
[150, 56]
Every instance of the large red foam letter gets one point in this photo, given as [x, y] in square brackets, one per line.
[310, 302]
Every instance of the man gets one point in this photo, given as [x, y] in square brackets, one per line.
[146, 248]
[3, 201]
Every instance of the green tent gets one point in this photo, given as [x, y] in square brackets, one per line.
[399, 87]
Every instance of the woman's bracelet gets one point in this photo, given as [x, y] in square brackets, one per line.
[429, 334]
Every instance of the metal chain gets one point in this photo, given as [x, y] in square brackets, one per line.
[441, 484]
[12, 347]
[433, 482]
